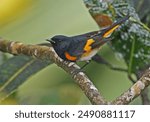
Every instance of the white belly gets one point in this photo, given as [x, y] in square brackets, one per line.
[89, 56]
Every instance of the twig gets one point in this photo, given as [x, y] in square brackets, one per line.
[134, 90]
[48, 53]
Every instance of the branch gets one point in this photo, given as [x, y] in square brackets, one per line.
[145, 94]
[48, 54]
[134, 90]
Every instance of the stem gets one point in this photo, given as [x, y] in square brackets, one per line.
[131, 56]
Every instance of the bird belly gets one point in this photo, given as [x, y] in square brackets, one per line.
[88, 55]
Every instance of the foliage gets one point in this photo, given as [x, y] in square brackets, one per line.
[132, 41]
[15, 71]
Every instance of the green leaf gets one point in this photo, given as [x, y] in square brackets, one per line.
[16, 71]
[132, 40]
[3, 57]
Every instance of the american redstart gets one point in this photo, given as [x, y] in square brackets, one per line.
[84, 47]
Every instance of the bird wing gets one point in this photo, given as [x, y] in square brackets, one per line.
[76, 48]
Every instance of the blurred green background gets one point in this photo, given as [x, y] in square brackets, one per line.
[32, 21]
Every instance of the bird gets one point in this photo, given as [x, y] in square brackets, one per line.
[84, 47]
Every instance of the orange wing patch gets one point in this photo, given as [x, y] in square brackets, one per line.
[110, 31]
[69, 57]
[87, 47]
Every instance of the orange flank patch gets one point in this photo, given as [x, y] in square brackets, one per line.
[87, 47]
[69, 57]
[110, 31]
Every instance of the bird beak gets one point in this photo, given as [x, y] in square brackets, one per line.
[50, 40]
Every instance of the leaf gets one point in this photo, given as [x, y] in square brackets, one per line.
[102, 20]
[16, 71]
[132, 41]
[3, 57]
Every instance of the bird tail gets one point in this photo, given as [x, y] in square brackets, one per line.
[109, 30]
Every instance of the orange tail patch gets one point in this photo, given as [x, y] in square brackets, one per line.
[110, 31]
